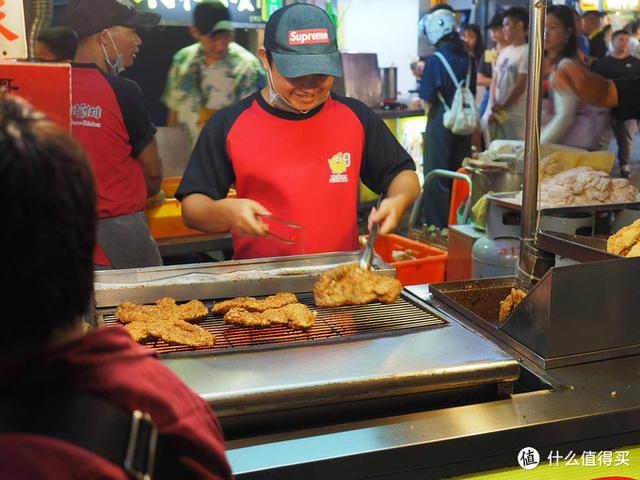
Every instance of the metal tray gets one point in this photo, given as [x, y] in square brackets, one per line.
[511, 200]
[575, 247]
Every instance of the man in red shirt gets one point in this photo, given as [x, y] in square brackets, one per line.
[296, 150]
[46, 362]
[111, 120]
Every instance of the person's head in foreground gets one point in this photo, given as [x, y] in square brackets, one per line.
[301, 57]
[48, 230]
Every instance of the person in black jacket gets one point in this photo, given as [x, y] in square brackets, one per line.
[593, 28]
[442, 148]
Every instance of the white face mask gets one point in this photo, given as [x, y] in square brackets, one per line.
[116, 67]
[278, 100]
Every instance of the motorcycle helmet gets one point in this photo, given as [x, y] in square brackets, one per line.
[437, 24]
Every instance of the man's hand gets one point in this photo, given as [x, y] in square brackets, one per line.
[244, 217]
[388, 215]
[220, 216]
[402, 191]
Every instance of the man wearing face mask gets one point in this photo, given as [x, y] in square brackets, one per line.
[211, 74]
[111, 120]
[297, 151]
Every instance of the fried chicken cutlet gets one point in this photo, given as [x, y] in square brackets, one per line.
[180, 332]
[294, 315]
[510, 303]
[251, 304]
[350, 285]
[191, 311]
[166, 320]
[626, 241]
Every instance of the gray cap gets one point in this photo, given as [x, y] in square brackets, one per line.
[302, 40]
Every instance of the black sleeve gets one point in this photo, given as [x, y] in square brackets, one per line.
[210, 171]
[628, 98]
[383, 156]
[473, 80]
[135, 112]
[484, 68]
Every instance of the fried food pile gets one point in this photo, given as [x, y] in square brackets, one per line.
[510, 303]
[626, 241]
[350, 285]
[166, 320]
[280, 309]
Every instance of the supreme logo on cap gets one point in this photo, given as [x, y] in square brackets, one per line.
[308, 36]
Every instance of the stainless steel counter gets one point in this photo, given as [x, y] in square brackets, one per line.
[590, 406]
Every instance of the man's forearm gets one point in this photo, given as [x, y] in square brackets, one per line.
[405, 187]
[203, 213]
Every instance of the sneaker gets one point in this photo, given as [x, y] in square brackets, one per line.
[625, 172]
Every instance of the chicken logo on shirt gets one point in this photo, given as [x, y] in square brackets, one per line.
[338, 165]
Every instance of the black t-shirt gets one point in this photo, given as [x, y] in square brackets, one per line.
[610, 67]
[598, 45]
[628, 98]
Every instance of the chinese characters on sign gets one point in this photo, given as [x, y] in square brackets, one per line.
[13, 42]
[243, 12]
[605, 458]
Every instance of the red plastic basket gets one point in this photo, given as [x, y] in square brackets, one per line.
[429, 264]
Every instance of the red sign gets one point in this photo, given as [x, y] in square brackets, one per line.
[310, 36]
[46, 86]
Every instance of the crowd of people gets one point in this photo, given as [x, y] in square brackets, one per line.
[501, 68]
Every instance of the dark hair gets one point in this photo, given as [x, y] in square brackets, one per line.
[478, 50]
[48, 228]
[207, 14]
[496, 20]
[62, 41]
[568, 20]
[592, 14]
[633, 27]
[617, 33]
[518, 14]
[455, 42]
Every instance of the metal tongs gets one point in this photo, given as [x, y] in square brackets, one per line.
[366, 256]
[286, 223]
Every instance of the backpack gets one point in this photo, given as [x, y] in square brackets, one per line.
[462, 117]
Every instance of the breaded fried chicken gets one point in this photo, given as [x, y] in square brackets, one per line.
[182, 333]
[350, 285]
[254, 305]
[626, 241]
[166, 320]
[510, 303]
[295, 315]
[164, 308]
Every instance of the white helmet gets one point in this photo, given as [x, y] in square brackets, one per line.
[438, 24]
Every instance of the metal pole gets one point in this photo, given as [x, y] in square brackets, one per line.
[533, 262]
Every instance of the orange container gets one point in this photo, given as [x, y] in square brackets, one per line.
[170, 185]
[423, 263]
[165, 221]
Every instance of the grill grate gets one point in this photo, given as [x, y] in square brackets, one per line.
[331, 324]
